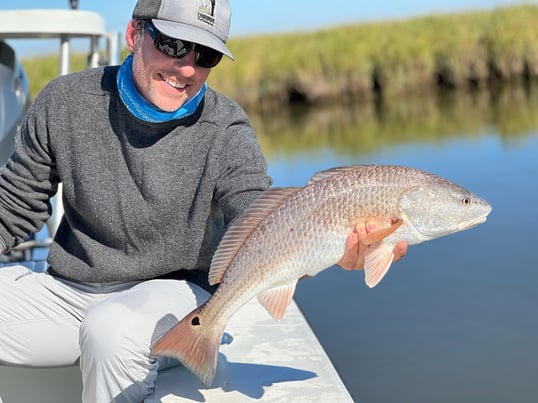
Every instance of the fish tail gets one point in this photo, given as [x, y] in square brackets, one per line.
[194, 343]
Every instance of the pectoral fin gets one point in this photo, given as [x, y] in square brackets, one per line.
[276, 300]
[377, 263]
[378, 235]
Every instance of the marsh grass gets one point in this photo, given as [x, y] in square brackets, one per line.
[392, 57]
[365, 60]
[41, 69]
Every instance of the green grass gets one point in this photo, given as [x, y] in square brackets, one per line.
[402, 56]
[40, 70]
[348, 62]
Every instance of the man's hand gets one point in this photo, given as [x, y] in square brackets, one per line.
[355, 252]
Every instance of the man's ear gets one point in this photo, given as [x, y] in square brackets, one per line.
[131, 35]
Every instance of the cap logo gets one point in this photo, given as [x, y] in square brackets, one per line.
[206, 12]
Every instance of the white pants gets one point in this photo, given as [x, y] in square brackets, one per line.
[47, 322]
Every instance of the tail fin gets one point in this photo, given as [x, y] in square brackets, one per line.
[194, 343]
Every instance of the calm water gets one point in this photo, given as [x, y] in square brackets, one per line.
[456, 320]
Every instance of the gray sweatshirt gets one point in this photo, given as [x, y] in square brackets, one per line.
[142, 200]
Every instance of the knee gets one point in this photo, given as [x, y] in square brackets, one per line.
[110, 330]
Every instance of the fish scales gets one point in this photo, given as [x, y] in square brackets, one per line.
[285, 231]
[292, 232]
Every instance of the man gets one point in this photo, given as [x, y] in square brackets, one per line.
[154, 165]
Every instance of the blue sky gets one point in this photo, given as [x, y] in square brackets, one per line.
[268, 16]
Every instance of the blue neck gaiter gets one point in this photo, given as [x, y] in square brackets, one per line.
[142, 109]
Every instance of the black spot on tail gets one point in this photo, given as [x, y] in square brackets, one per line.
[195, 321]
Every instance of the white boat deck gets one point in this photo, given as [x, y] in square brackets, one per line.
[268, 360]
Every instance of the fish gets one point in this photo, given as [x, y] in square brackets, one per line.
[294, 232]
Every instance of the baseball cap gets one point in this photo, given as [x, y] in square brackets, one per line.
[206, 22]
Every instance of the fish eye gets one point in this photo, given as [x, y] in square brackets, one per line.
[466, 200]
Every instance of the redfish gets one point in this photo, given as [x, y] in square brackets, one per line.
[289, 233]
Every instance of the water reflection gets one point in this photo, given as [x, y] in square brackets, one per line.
[456, 319]
[433, 118]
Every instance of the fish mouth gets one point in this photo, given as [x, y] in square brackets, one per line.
[473, 223]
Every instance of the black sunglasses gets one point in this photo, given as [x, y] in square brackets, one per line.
[204, 56]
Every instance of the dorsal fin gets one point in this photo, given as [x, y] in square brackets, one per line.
[331, 172]
[243, 226]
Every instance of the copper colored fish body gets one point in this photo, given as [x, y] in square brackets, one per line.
[288, 233]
